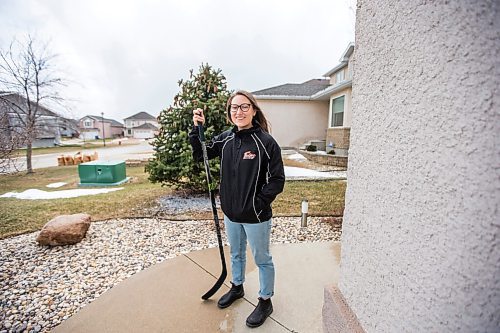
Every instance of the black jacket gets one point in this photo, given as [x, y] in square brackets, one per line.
[252, 173]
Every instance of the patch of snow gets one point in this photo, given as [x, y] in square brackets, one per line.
[34, 194]
[302, 172]
[293, 173]
[287, 151]
[55, 185]
[297, 157]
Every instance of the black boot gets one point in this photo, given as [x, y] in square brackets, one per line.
[232, 295]
[261, 312]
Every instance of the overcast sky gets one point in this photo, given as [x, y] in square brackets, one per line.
[126, 56]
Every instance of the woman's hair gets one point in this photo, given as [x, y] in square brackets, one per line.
[259, 115]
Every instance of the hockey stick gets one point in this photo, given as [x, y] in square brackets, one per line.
[211, 189]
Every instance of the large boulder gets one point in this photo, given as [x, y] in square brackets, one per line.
[64, 230]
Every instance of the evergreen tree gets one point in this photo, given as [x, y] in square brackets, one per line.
[172, 163]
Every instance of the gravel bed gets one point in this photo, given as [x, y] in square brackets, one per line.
[42, 286]
[174, 204]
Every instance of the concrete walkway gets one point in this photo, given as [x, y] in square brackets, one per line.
[167, 297]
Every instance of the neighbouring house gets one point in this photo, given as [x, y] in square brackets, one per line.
[318, 110]
[50, 126]
[141, 125]
[98, 127]
[68, 128]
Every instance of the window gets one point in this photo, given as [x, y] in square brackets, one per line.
[87, 123]
[337, 112]
[340, 76]
[129, 131]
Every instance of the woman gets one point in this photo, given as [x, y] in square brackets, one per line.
[252, 176]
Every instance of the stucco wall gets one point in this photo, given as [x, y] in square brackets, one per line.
[293, 123]
[420, 243]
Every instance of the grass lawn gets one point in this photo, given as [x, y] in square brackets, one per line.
[326, 198]
[20, 216]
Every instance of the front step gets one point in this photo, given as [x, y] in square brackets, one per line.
[320, 144]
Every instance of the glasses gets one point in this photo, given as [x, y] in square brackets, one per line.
[245, 107]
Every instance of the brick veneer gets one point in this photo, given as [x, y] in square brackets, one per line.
[327, 159]
[339, 136]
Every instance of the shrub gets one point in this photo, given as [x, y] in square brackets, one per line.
[311, 148]
[172, 163]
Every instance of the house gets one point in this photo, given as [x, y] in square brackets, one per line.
[318, 109]
[420, 232]
[50, 126]
[141, 125]
[98, 127]
[68, 127]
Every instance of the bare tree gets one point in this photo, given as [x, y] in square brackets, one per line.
[28, 80]
[10, 141]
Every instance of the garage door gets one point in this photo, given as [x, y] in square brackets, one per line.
[89, 135]
[143, 134]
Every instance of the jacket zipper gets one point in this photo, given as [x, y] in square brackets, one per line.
[236, 164]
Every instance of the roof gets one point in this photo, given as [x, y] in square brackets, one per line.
[321, 95]
[326, 93]
[343, 60]
[116, 123]
[146, 126]
[305, 89]
[315, 89]
[48, 123]
[100, 118]
[46, 127]
[142, 116]
[15, 99]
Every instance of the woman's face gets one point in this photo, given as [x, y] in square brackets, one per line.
[242, 112]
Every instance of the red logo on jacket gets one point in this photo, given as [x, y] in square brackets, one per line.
[249, 155]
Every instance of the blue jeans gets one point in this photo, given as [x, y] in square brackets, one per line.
[258, 235]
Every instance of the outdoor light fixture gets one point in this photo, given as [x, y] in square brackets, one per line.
[305, 209]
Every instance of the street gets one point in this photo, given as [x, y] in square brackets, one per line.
[139, 151]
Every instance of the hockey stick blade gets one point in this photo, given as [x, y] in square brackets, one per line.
[216, 286]
[223, 275]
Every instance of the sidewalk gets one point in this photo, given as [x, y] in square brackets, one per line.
[167, 297]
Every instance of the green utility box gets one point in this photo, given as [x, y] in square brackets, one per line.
[102, 173]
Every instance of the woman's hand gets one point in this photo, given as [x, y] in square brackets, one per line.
[198, 117]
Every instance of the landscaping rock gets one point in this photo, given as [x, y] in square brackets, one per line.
[64, 230]
[61, 280]
[335, 222]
